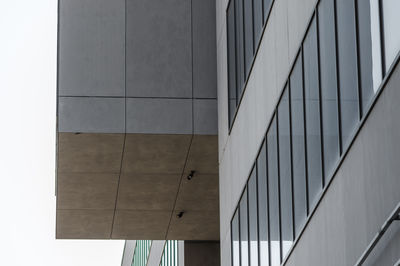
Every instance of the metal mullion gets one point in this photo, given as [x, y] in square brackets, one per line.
[239, 234]
[321, 132]
[257, 211]
[382, 37]
[232, 249]
[305, 129]
[279, 182]
[360, 109]
[248, 222]
[338, 80]
[291, 157]
[267, 183]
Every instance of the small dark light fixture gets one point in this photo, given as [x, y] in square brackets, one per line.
[180, 214]
[190, 176]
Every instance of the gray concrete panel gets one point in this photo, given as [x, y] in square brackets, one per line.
[92, 48]
[91, 115]
[159, 48]
[84, 224]
[205, 116]
[159, 116]
[204, 49]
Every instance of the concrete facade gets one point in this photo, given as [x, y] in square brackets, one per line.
[364, 189]
[137, 112]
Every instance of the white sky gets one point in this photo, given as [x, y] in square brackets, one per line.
[27, 144]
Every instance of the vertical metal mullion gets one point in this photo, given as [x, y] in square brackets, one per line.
[244, 52]
[267, 183]
[382, 38]
[257, 213]
[320, 101]
[338, 80]
[252, 27]
[279, 181]
[359, 91]
[291, 157]
[240, 235]
[232, 257]
[248, 222]
[305, 129]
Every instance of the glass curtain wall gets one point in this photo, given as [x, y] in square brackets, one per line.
[141, 253]
[348, 49]
[245, 22]
[170, 254]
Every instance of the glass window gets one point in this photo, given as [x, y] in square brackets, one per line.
[391, 22]
[244, 233]
[248, 34]
[239, 47]
[273, 191]
[311, 94]
[258, 20]
[330, 120]
[253, 226]
[369, 50]
[267, 8]
[285, 174]
[263, 205]
[348, 76]
[231, 60]
[235, 239]
[298, 145]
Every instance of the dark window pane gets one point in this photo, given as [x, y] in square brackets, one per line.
[347, 54]
[244, 235]
[263, 205]
[239, 47]
[273, 191]
[298, 146]
[235, 240]
[311, 94]
[391, 22]
[267, 8]
[248, 33]
[285, 173]
[231, 60]
[253, 226]
[258, 20]
[330, 120]
[369, 45]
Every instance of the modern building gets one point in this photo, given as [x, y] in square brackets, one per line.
[302, 166]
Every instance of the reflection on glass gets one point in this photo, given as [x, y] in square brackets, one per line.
[347, 54]
[231, 60]
[391, 22]
[285, 173]
[244, 237]
[263, 205]
[273, 191]
[311, 94]
[235, 240]
[253, 226]
[369, 49]
[330, 120]
[267, 8]
[258, 20]
[248, 34]
[239, 47]
[298, 146]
